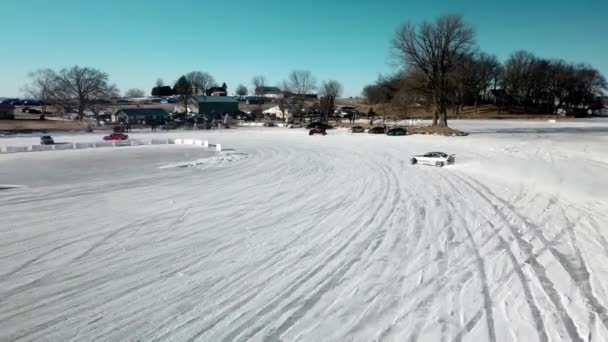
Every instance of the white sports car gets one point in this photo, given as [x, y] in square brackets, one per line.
[434, 158]
[294, 125]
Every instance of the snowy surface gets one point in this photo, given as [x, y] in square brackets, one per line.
[297, 238]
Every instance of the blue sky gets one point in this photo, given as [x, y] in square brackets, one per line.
[136, 42]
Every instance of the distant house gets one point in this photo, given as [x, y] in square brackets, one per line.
[216, 91]
[216, 106]
[271, 92]
[7, 111]
[144, 116]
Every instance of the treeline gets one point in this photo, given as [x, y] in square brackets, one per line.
[441, 68]
[73, 89]
[196, 82]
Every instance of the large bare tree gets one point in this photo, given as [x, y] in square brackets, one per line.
[301, 83]
[330, 90]
[41, 87]
[433, 48]
[200, 81]
[82, 86]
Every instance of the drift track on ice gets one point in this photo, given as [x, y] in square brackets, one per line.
[323, 238]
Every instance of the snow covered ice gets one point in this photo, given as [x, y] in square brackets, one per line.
[297, 238]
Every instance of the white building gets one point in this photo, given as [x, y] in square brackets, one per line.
[277, 112]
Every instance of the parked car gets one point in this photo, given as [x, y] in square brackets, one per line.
[269, 124]
[319, 125]
[169, 125]
[32, 102]
[116, 136]
[439, 159]
[344, 108]
[357, 129]
[294, 125]
[119, 129]
[14, 102]
[377, 130]
[203, 125]
[314, 131]
[396, 131]
[46, 140]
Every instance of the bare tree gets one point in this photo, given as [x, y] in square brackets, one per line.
[283, 101]
[433, 48]
[330, 91]
[159, 82]
[134, 93]
[331, 88]
[183, 88]
[403, 100]
[241, 90]
[41, 86]
[200, 81]
[102, 101]
[301, 83]
[537, 82]
[81, 85]
[473, 76]
[258, 83]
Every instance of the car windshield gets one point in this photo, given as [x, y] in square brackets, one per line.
[304, 171]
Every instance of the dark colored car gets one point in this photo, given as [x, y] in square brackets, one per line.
[317, 131]
[357, 129]
[396, 131]
[203, 125]
[321, 125]
[14, 102]
[269, 124]
[169, 125]
[116, 136]
[377, 130]
[46, 140]
[32, 102]
[119, 129]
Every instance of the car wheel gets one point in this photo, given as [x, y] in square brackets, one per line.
[414, 161]
[439, 164]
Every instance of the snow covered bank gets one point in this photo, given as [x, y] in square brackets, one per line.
[330, 238]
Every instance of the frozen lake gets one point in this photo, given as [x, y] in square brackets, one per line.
[324, 238]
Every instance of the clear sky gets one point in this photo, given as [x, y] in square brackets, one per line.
[138, 41]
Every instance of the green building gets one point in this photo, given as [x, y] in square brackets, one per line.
[216, 106]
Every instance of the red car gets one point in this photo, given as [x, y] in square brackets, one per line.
[116, 136]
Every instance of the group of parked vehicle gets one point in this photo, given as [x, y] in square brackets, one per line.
[21, 102]
[438, 159]
[395, 131]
